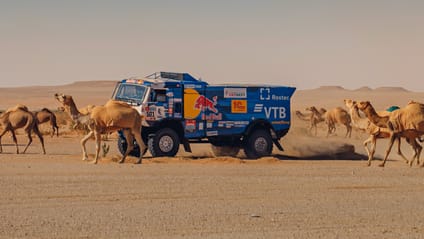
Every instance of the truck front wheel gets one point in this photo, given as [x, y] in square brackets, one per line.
[258, 144]
[165, 142]
[123, 144]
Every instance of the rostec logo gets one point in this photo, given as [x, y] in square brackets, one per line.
[265, 94]
[203, 102]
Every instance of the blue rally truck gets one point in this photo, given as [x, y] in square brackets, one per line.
[180, 109]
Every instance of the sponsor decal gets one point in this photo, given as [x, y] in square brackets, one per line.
[265, 94]
[239, 93]
[281, 122]
[196, 104]
[212, 133]
[212, 117]
[190, 126]
[231, 124]
[203, 103]
[274, 112]
[258, 108]
[238, 106]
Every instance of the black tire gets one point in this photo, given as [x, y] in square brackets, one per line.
[225, 151]
[122, 146]
[165, 143]
[258, 144]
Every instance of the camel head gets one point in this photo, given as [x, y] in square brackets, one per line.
[363, 105]
[311, 108]
[349, 103]
[63, 99]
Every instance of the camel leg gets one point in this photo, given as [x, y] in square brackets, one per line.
[83, 142]
[16, 141]
[392, 140]
[98, 138]
[29, 141]
[141, 145]
[130, 144]
[373, 140]
[1, 135]
[418, 153]
[40, 137]
[348, 131]
[53, 130]
[417, 150]
[399, 152]
[310, 129]
[328, 129]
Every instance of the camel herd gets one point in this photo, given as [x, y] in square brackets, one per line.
[406, 122]
[112, 116]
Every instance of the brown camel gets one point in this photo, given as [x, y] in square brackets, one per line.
[373, 130]
[114, 115]
[407, 122]
[315, 118]
[45, 115]
[16, 118]
[338, 116]
[333, 117]
[380, 119]
[79, 117]
[302, 116]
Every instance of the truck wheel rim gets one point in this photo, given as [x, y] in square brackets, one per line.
[166, 143]
[261, 145]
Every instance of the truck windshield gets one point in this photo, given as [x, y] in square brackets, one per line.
[130, 93]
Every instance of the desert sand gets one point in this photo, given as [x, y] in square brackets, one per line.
[318, 187]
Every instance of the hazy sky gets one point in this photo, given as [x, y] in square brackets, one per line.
[306, 44]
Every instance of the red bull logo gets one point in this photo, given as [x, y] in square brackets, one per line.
[203, 103]
[196, 104]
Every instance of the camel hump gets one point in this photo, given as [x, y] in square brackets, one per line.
[46, 110]
[111, 103]
[17, 107]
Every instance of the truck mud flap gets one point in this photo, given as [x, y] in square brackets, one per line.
[186, 144]
[277, 143]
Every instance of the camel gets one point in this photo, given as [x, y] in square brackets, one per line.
[45, 115]
[373, 130]
[338, 116]
[407, 122]
[333, 117]
[16, 118]
[302, 116]
[315, 118]
[78, 116]
[379, 119]
[114, 115]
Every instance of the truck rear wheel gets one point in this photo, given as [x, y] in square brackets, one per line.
[225, 150]
[164, 143]
[258, 144]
